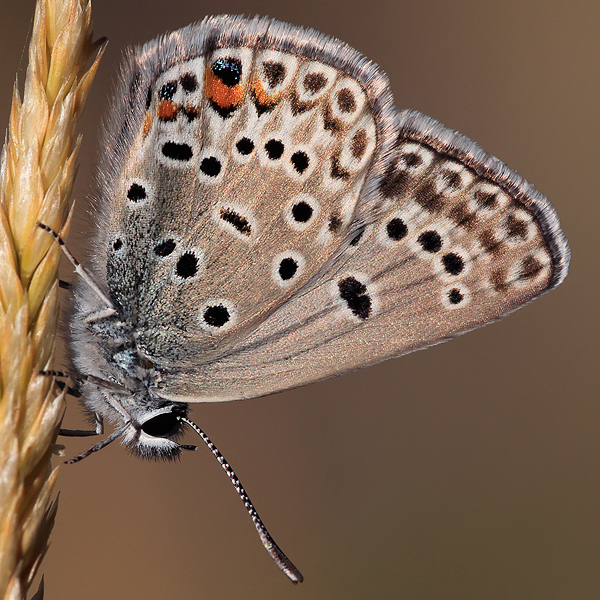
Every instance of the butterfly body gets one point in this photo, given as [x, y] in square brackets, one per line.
[268, 218]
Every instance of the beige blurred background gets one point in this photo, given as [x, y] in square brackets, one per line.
[467, 472]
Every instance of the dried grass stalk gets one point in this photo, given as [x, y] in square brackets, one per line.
[37, 169]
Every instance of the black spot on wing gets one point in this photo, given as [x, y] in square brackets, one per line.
[238, 221]
[354, 294]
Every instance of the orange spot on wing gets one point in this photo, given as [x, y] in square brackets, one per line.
[167, 110]
[191, 112]
[147, 124]
[261, 96]
[223, 95]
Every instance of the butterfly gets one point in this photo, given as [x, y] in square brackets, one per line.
[268, 218]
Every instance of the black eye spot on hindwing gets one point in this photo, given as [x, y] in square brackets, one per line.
[354, 294]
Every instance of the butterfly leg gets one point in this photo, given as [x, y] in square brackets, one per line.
[72, 391]
[98, 429]
[98, 422]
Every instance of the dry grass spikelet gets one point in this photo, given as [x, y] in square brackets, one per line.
[37, 170]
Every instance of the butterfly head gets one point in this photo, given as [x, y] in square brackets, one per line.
[148, 427]
[152, 433]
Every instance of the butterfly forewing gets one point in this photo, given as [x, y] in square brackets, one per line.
[241, 182]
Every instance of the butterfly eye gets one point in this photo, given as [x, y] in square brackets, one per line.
[301, 212]
[287, 267]
[163, 426]
[217, 316]
[355, 294]
[455, 296]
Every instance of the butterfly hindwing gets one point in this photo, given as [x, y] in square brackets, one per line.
[457, 241]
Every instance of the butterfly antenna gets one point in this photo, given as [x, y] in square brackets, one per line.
[283, 562]
[112, 386]
[105, 442]
[110, 307]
